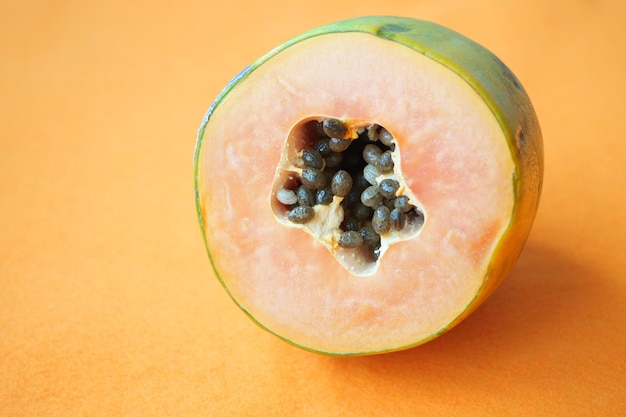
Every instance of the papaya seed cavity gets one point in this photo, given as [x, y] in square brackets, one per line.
[340, 180]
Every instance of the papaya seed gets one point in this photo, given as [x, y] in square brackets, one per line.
[373, 133]
[371, 153]
[339, 144]
[388, 187]
[286, 197]
[371, 197]
[333, 159]
[313, 178]
[397, 218]
[322, 145]
[385, 163]
[353, 198]
[301, 214]
[370, 172]
[306, 196]
[369, 235]
[360, 182]
[312, 158]
[385, 137]
[381, 221]
[324, 196]
[361, 211]
[334, 128]
[350, 223]
[402, 203]
[341, 183]
[350, 239]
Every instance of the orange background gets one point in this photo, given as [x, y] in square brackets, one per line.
[108, 305]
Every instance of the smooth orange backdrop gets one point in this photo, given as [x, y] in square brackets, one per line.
[108, 305]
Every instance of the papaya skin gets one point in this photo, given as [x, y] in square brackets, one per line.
[500, 90]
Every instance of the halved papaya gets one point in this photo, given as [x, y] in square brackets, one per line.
[365, 186]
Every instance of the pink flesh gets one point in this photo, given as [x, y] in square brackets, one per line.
[454, 158]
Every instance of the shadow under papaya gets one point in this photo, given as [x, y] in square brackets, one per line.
[542, 311]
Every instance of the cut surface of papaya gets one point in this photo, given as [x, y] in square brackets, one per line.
[365, 186]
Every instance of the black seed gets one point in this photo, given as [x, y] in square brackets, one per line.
[381, 221]
[385, 137]
[388, 187]
[312, 158]
[369, 235]
[350, 239]
[334, 128]
[402, 203]
[372, 133]
[313, 178]
[361, 212]
[301, 214]
[341, 184]
[350, 223]
[370, 197]
[306, 196]
[370, 172]
[324, 196]
[385, 163]
[333, 159]
[397, 218]
[339, 144]
[387, 202]
[322, 146]
[372, 153]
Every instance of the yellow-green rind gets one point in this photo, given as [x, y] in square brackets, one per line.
[498, 87]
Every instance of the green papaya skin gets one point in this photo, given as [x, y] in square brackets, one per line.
[492, 80]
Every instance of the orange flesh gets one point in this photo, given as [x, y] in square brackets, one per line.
[454, 159]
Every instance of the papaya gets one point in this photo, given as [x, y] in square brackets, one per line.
[365, 186]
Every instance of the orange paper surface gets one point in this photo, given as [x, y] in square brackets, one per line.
[108, 305]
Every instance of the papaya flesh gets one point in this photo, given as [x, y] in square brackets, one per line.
[467, 155]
